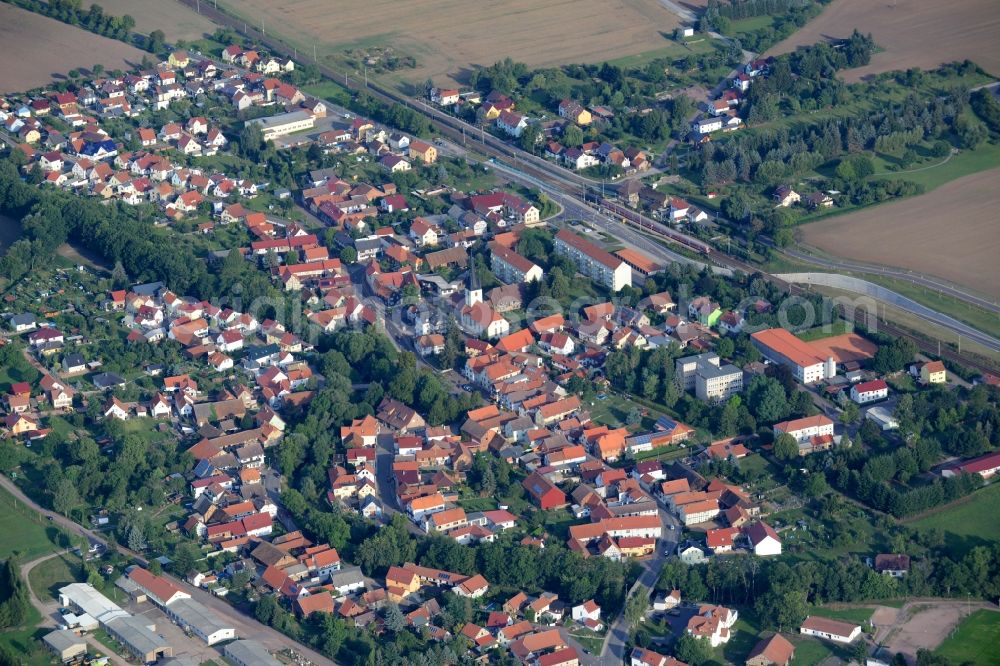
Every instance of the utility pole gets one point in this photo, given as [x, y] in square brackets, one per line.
[314, 53]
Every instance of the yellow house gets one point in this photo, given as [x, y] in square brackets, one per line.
[20, 424]
[400, 583]
[424, 151]
[933, 373]
[574, 111]
[178, 59]
[30, 135]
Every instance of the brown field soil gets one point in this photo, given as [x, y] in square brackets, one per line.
[950, 232]
[911, 33]
[845, 348]
[447, 36]
[37, 49]
[921, 626]
[175, 20]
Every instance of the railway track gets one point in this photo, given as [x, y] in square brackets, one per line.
[569, 183]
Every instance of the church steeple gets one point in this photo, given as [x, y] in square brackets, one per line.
[473, 292]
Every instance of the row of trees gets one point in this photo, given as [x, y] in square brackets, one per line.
[786, 17]
[92, 19]
[782, 592]
[14, 602]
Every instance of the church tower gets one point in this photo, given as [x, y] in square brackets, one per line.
[473, 292]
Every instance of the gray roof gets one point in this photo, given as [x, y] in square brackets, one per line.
[150, 289]
[280, 119]
[709, 371]
[347, 577]
[74, 359]
[363, 244]
[107, 380]
[22, 319]
[61, 640]
[249, 653]
[137, 635]
[193, 614]
[179, 661]
[90, 601]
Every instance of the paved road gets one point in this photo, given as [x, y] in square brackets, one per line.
[613, 652]
[908, 276]
[245, 626]
[875, 291]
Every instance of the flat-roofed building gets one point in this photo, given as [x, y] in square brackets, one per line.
[780, 346]
[709, 379]
[139, 638]
[597, 264]
[66, 645]
[249, 653]
[191, 616]
[84, 597]
[284, 123]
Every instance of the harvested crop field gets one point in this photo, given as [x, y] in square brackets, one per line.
[447, 36]
[911, 33]
[177, 21]
[44, 49]
[951, 232]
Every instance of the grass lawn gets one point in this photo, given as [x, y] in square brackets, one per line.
[855, 615]
[663, 453]
[558, 522]
[810, 651]
[672, 50]
[745, 634]
[146, 428]
[28, 534]
[25, 641]
[329, 90]
[478, 503]
[838, 327]
[962, 521]
[755, 463]
[590, 641]
[974, 641]
[613, 411]
[981, 319]
[46, 578]
[986, 156]
[749, 24]
[10, 375]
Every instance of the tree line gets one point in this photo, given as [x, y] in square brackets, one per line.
[14, 601]
[92, 19]
[782, 592]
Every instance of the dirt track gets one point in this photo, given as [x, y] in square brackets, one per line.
[920, 624]
[949, 232]
[912, 33]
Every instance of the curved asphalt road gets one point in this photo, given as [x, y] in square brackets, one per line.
[907, 276]
[876, 291]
